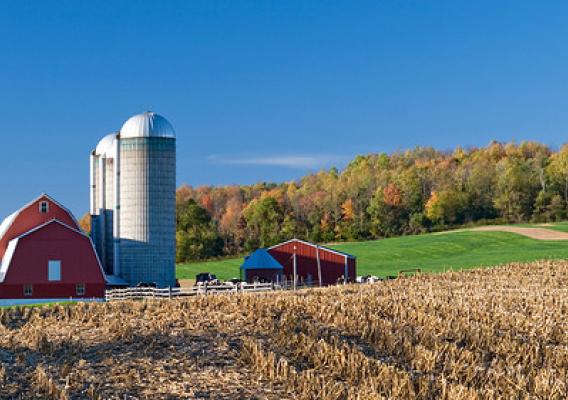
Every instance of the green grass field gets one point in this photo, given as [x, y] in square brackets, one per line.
[224, 269]
[431, 252]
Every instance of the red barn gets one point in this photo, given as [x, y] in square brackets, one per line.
[335, 266]
[45, 255]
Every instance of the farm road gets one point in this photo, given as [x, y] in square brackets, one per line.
[533, 233]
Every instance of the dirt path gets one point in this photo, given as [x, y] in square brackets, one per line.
[534, 233]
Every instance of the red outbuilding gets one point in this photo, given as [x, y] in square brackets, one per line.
[45, 255]
[334, 266]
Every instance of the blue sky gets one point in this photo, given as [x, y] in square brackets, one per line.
[271, 90]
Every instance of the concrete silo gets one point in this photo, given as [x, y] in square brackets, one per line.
[138, 202]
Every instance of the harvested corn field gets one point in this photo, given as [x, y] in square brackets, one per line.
[493, 333]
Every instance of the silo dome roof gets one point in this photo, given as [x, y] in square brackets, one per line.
[106, 145]
[147, 124]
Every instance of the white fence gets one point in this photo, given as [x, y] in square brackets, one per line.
[150, 292]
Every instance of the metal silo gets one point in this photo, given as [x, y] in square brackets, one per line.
[133, 178]
[102, 199]
[145, 205]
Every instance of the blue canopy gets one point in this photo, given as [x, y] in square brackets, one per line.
[261, 259]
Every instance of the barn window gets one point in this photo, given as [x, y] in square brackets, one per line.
[28, 290]
[80, 289]
[44, 207]
[54, 270]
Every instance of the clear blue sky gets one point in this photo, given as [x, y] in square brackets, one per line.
[270, 90]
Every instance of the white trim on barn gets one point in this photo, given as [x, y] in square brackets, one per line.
[7, 258]
[7, 223]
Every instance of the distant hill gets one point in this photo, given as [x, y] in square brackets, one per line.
[431, 252]
[378, 196]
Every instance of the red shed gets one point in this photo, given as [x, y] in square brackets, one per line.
[45, 255]
[335, 266]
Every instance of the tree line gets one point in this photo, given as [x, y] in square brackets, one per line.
[377, 196]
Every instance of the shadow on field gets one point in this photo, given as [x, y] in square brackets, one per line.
[124, 365]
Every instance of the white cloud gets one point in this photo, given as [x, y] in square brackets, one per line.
[290, 161]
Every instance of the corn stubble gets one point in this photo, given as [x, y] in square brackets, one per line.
[484, 334]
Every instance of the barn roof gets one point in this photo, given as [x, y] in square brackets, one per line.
[341, 253]
[5, 225]
[261, 259]
[9, 220]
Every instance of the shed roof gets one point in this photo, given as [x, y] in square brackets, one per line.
[116, 280]
[261, 259]
[324, 248]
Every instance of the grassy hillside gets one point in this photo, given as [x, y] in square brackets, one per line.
[431, 252]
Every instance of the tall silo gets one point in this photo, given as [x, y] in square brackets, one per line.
[145, 205]
[133, 177]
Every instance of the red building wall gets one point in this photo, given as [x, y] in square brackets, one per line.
[30, 217]
[29, 265]
[332, 263]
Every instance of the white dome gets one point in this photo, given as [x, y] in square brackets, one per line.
[106, 145]
[147, 124]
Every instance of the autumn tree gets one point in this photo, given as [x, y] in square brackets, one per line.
[388, 216]
[85, 223]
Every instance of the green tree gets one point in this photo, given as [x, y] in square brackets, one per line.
[264, 218]
[196, 237]
[517, 188]
[558, 171]
[557, 208]
[446, 207]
